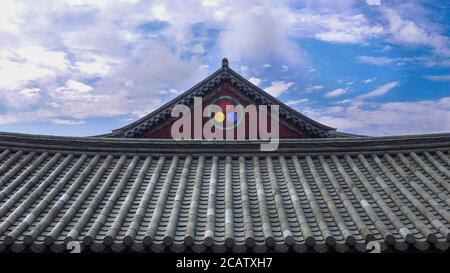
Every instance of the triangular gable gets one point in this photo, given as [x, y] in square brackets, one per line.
[224, 81]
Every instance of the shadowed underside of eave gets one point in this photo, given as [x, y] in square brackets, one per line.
[109, 195]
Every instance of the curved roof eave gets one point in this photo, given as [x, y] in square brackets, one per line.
[143, 145]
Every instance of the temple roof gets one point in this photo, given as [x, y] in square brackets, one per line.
[225, 73]
[164, 195]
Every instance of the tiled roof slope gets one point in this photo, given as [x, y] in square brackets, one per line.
[163, 195]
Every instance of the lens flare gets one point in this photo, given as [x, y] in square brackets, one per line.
[219, 117]
[232, 117]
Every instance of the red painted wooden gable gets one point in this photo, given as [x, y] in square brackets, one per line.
[225, 89]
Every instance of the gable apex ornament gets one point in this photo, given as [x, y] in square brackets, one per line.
[224, 62]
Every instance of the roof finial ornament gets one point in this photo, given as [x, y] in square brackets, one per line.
[224, 62]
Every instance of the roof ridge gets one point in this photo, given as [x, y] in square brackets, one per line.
[142, 145]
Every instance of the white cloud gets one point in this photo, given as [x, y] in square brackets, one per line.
[278, 87]
[30, 92]
[160, 12]
[102, 57]
[67, 121]
[260, 33]
[375, 60]
[23, 116]
[210, 2]
[336, 27]
[373, 2]
[72, 91]
[296, 102]
[79, 101]
[401, 23]
[198, 49]
[428, 61]
[323, 6]
[438, 78]
[380, 91]
[169, 72]
[335, 93]
[19, 99]
[408, 32]
[170, 91]
[95, 65]
[314, 88]
[21, 65]
[11, 17]
[255, 81]
[127, 85]
[78, 86]
[84, 3]
[16, 74]
[43, 57]
[393, 118]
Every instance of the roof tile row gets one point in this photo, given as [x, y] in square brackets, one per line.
[218, 202]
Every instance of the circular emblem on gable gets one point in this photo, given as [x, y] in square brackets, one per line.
[226, 120]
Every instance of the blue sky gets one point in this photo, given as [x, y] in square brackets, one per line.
[84, 67]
